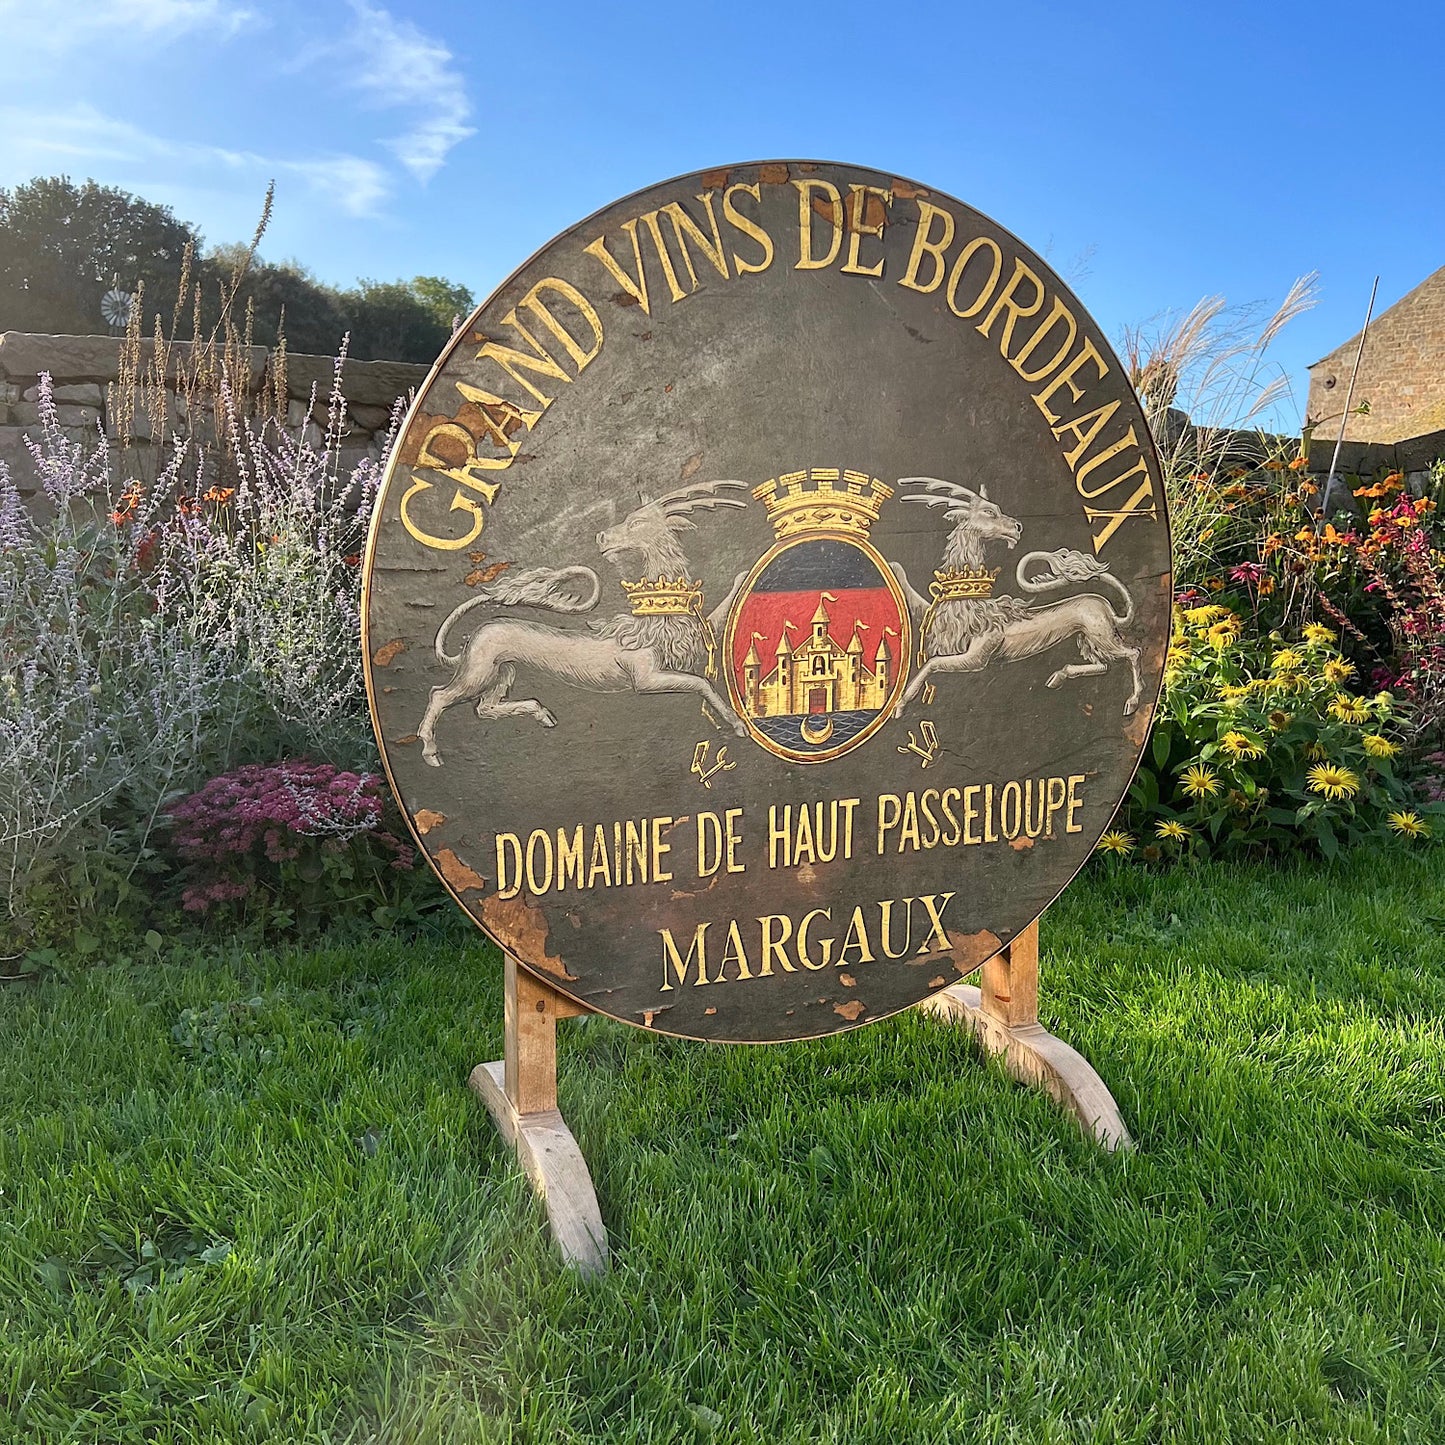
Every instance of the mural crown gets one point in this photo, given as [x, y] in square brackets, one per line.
[822, 499]
[660, 597]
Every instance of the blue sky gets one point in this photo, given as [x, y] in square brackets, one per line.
[1154, 152]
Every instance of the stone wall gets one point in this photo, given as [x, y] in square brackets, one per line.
[82, 369]
[1402, 373]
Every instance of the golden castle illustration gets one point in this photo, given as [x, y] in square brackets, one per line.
[817, 676]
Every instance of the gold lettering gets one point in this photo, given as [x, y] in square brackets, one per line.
[885, 935]
[660, 849]
[935, 922]
[670, 955]
[856, 937]
[733, 953]
[1058, 312]
[509, 843]
[1132, 508]
[1007, 303]
[750, 228]
[773, 947]
[858, 228]
[925, 245]
[956, 275]
[807, 261]
[778, 836]
[650, 221]
[1057, 792]
[569, 858]
[1127, 440]
[1076, 363]
[1096, 421]
[685, 228]
[890, 809]
[1074, 804]
[970, 813]
[637, 289]
[535, 888]
[826, 944]
[513, 362]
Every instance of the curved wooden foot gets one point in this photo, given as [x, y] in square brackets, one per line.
[1036, 1057]
[520, 1093]
[1003, 1014]
[551, 1159]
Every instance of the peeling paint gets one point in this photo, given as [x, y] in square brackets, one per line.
[972, 949]
[426, 819]
[850, 1010]
[388, 652]
[460, 875]
[522, 931]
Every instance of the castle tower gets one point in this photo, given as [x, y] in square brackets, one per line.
[880, 667]
[854, 688]
[752, 667]
[820, 623]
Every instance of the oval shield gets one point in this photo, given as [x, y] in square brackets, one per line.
[818, 639]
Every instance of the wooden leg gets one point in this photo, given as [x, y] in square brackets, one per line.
[520, 1092]
[1003, 1012]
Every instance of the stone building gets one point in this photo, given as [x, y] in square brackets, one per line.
[817, 676]
[1401, 376]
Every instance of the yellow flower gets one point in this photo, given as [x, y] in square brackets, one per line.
[1121, 843]
[1409, 824]
[1318, 634]
[1286, 660]
[1379, 746]
[1349, 709]
[1200, 616]
[1173, 831]
[1332, 781]
[1240, 745]
[1223, 634]
[1316, 752]
[1234, 690]
[1199, 781]
[1279, 720]
[1337, 670]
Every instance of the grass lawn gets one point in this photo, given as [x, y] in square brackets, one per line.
[248, 1198]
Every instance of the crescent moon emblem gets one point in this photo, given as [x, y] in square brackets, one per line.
[812, 733]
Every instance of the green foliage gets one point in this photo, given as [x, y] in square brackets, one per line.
[1262, 746]
[61, 246]
[873, 1239]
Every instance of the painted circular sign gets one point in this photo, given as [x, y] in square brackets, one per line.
[767, 601]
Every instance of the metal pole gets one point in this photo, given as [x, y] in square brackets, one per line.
[1349, 397]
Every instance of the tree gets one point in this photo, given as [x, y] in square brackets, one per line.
[62, 246]
[404, 320]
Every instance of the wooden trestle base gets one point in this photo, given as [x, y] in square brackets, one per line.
[520, 1091]
[1003, 1012]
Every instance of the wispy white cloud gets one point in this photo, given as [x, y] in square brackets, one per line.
[43, 141]
[65, 25]
[397, 66]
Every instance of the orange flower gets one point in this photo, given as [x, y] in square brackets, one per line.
[1332, 538]
[220, 495]
[1308, 489]
[1274, 465]
[1299, 464]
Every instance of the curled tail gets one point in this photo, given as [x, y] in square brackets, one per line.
[1066, 566]
[558, 589]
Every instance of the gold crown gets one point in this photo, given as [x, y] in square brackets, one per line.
[814, 500]
[955, 584]
[658, 597]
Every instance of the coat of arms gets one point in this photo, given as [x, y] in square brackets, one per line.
[818, 639]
